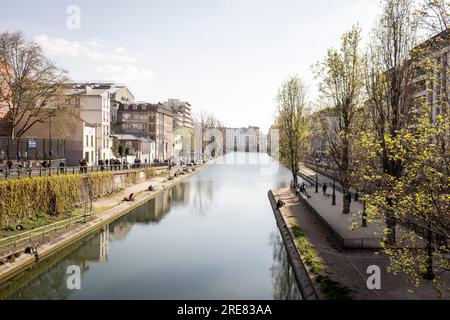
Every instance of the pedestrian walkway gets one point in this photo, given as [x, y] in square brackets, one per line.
[311, 174]
[349, 267]
[340, 225]
[156, 182]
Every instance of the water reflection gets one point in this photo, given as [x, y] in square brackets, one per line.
[211, 237]
[284, 283]
[52, 283]
[203, 195]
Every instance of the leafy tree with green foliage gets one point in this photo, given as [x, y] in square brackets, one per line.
[293, 124]
[342, 82]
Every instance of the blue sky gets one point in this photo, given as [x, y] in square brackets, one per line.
[225, 56]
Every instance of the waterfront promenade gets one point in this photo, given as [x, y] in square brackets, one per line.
[346, 229]
[348, 267]
[105, 210]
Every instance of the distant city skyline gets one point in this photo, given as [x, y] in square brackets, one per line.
[226, 57]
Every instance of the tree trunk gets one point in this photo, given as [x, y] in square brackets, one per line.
[390, 234]
[294, 176]
[429, 275]
[346, 193]
[346, 202]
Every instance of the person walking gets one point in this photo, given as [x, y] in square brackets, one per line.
[29, 167]
[62, 166]
[324, 189]
[9, 164]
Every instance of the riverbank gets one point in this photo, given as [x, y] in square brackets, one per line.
[347, 269]
[116, 208]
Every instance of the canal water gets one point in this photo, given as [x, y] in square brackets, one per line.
[213, 236]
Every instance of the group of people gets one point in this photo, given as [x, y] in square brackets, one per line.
[117, 164]
[22, 165]
[301, 189]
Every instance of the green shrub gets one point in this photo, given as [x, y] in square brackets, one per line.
[149, 172]
[100, 184]
[132, 177]
[21, 199]
[27, 198]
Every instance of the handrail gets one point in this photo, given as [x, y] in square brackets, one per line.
[6, 173]
[41, 232]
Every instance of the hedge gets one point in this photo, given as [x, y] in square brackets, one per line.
[22, 199]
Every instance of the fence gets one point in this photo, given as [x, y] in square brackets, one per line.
[31, 148]
[353, 243]
[6, 173]
[40, 233]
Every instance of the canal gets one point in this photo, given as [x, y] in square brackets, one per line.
[213, 236]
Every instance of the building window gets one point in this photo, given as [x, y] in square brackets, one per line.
[92, 141]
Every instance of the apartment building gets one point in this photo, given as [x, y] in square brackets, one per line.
[182, 113]
[137, 147]
[434, 84]
[94, 102]
[153, 120]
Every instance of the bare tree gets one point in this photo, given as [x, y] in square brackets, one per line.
[32, 87]
[342, 81]
[205, 120]
[434, 15]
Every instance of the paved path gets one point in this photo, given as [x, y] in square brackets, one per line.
[349, 267]
[369, 236]
[156, 182]
[322, 179]
[344, 225]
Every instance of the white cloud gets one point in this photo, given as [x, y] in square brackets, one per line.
[91, 59]
[125, 72]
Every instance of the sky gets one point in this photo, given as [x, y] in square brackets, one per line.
[227, 57]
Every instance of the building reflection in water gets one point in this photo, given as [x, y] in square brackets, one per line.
[283, 278]
[48, 279]
[199, 196]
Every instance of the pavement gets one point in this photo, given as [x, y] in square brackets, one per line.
[322, 179]
[369, 236]
[350, 267]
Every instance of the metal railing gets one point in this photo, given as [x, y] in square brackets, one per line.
[354, 243]
[42, 232]
[6, 173]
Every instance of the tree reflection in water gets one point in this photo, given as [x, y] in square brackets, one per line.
[47, 279]
[283, 278]
[203, 196]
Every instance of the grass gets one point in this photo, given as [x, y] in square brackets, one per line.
[40, 220]
[330, 288]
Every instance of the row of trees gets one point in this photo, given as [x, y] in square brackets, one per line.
[384, 114]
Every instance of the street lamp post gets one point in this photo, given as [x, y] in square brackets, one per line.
[317, 175]
[333, 202]
[50, 146]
